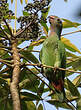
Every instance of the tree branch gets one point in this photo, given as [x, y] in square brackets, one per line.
[8, 28]
[15, 77]
[6, 62]
[41, 65]
[22, 30]
[6, 36]
[71, 32]
[41, 79]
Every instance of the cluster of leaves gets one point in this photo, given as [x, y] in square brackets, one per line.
[31, 15]
[30, 87]
[4, 10]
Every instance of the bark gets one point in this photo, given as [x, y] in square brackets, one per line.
[15, 77]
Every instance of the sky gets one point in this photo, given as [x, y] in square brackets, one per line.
[63, 10]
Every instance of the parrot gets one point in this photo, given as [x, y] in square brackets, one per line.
[53, 54]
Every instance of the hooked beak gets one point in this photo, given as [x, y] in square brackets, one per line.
[52, 17]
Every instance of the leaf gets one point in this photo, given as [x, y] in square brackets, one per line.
[29, 56]
[70, 97]
[31, 105]
[69, 24]
[7, 106]
[60, 104]
[24, 105]
[29, 84]
[36, 43]
[25, 13]
[26, 96]
[79, 104]
[28, 80]
[77, 80]
[69, 45]
[69, 54]
[40, 107]
[65, 0]
[74, 91]
[11, 1]
[26, 1]
[21, 1]
[75, 63]
[45, 28]
[45, 14]
[40, 89]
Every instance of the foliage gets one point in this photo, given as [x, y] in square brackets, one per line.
[31, 87]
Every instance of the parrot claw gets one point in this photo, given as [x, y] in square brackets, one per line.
[55, 69]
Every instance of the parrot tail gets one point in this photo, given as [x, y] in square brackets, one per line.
[58, 85]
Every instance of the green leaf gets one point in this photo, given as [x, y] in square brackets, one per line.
[69, 54]
[28, 80]
[21, 1]
[29, 56]
[31, 105]
[26, 1]
[75, 63]
[60, 104]
[24, 105]
[77, 80]
[36, 43]
[70, 97]
[29, 84]
[72, 88]
[69, 45]
[26, 96]
[69, 24]
[45, 27]
[25, 13]
[40, 107]
[11, 1]
[79, 104]
[45, 12]
[65, 0]
[40, 89]
[7, 105]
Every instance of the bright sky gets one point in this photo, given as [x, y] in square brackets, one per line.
[63, 10]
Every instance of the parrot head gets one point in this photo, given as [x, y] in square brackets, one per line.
[55, 25]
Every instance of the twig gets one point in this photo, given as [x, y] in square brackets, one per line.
[6, 36]
[29, 50]
[71, 32]
[41, 65]
[5, 49]
[22, 30]
[41, 80]
[5, 62]
[8, 28]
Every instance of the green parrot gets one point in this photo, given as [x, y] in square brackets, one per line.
[53, 54]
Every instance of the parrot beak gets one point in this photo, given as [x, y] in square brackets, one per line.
[51, 17]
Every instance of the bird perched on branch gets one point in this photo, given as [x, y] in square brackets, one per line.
[53, 54]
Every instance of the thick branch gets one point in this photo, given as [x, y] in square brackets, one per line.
[15, 77]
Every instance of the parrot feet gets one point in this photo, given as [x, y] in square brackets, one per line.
[56, 69]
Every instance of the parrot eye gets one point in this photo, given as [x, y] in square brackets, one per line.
[59, 20]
